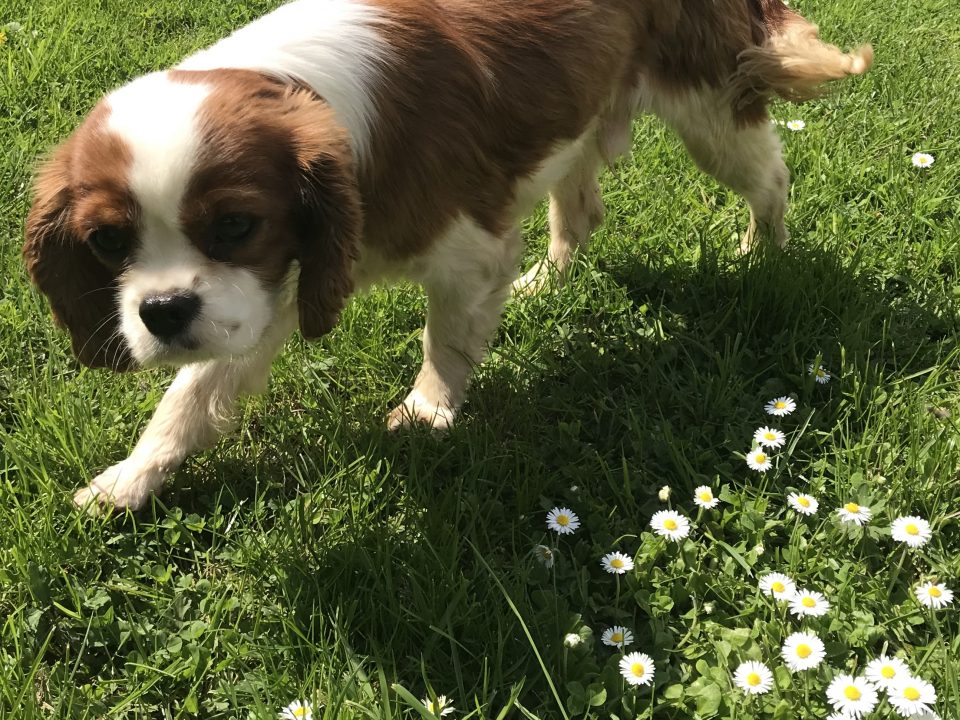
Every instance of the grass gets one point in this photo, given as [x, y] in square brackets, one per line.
[314, 555]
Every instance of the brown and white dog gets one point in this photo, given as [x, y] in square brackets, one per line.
[199, 215]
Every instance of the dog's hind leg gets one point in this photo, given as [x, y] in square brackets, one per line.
[467, 286]
[742, 153]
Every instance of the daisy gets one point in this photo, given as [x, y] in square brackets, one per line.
[617, 636]
[934, 595]
[852, 512]
[922, 160]
[637, 668]
[778, 585]
[571, 640]
[664, 493]
[670, 524]
[820, 373]
[912, 530]
[808, 602]
[758, 460]
[754, 678]
[802, 503]
[703, 497]
[545, 555]
[439, 707]
[912, 696]
[769, 437]
[617, 563]
[851, 696]
[562, 520]
[297, 710]
[796, 125]
[885, 672]
[780, 406]
[802, 651]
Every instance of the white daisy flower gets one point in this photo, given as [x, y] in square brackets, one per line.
[934, 595]
[545, 555]
[562, 520]
[670, 524]
[617, 563]
[703, 497]
[808, 602]
[885, 672]
[297, 710]
[664, 493]
[778, 585]
[439, 708]
[851, 696]
[796, 125]
[780, 406]
[759, 460]
[851, 512]
[922, 160]
[820, 373]
[912, 530]
[769, 437]
[912, 696]
[803, 503]
[637, 668]
[802, 651]
[754, 678]
[571, 640]
[617, 636]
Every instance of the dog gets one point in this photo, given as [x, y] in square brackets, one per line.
[199, 215]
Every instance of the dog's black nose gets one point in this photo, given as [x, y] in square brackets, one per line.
[166, 315]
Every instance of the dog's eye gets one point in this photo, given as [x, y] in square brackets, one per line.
[233, 227]
[109, 240]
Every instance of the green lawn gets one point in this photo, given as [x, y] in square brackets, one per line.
[313, 555]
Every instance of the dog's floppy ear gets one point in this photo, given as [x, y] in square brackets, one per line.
[82, 291]
[330, 223]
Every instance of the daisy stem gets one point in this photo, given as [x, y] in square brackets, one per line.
[616, 602]
[896, 572]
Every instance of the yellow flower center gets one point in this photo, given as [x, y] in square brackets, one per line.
[770, 436]
[706, 497]
[777, 586]
[852, 507]
[670, 524]
[779, 404]
[852, 693]
[760, 458]
[563, 520]
[804, 651]
[300, 712]
[911, 693]
[808, 602]
[616, 637]
[912, 529]
[887, 672]
[803, 501]
[934, 591]
[616, 563]
[754, 679]
[638, 669]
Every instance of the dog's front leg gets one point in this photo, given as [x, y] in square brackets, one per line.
[196, 410]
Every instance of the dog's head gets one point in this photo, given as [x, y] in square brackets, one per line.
[164, 230]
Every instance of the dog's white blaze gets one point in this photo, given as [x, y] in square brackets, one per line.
[334, 46]
[157, 119]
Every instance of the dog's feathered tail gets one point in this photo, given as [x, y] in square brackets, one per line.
[792, 61]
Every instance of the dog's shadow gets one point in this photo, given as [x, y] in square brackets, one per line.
[659, 386]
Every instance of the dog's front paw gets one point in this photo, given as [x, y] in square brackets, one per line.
[417, 409]
[127, 484]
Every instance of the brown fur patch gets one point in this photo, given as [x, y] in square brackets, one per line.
[276, 152]
[82, 186]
